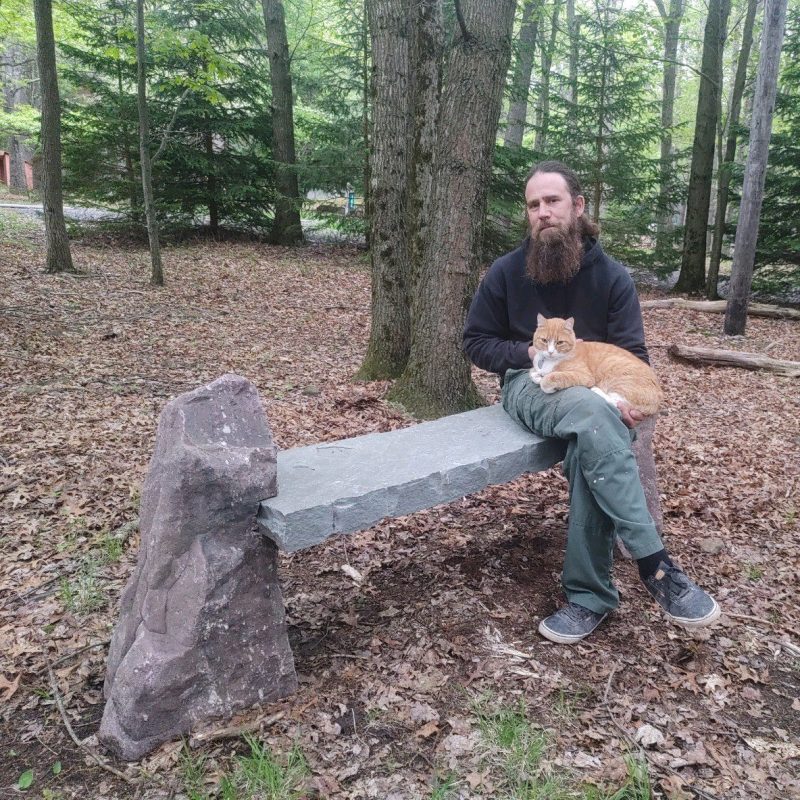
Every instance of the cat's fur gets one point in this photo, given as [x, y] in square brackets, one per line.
[615, 374]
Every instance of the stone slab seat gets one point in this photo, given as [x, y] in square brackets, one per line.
[350, 484]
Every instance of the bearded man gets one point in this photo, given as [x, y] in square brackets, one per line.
[560, 270]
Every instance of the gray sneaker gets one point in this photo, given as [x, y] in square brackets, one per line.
[684, 601]
[570, 624]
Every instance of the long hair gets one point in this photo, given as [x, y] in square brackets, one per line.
[585, 226]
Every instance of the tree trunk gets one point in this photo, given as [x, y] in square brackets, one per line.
[573, 29]
[213, 206]
[59, 258]
[437, 379]
[365, 120]
[543, 108]
[692, 276]
[520, 84]
[427, 43]
[672, 23]
[726, 167]
[16, 91]
[390, 167]
[286, 227]
[157, 272]
[744, 250]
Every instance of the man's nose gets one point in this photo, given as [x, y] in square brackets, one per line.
[544, 212]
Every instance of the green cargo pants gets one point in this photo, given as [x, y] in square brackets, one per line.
[606, 496]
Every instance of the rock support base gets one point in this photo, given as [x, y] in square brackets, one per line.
[202, 630]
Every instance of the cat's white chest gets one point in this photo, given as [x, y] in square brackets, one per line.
[543, 363]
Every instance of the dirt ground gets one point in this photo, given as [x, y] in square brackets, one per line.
[391, 669]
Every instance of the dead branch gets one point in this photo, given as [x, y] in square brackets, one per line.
[233, 731]
[635, 746]
[733, 358]
[94, 756]
[719, 307]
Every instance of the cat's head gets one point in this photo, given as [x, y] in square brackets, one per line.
[554, 335]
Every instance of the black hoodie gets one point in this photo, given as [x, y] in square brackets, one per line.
[502, 317]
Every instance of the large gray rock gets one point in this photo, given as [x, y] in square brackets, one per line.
[201, 631]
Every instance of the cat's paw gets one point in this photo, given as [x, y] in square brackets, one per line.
[547, 387]
[536, 376]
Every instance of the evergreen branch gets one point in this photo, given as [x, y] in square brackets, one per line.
[616, 50]
[303, 34]
[169, 127]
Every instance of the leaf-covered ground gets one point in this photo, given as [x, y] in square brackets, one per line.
[395, 670]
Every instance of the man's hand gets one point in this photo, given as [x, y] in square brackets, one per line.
[630, 416]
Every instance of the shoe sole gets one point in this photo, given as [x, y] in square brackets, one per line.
[698, 622]
[561, 638]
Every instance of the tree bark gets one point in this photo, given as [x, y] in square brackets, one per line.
[734, 358]
[744, 250]
[16, 91]
[59, 257]
[390, 167]
[156, 271]
[573, 29]
[437, 378]
[692, 278]
[213, 205]
[520, 84]
[365, 119]
[427, 43]
[726, 167]
[286, 226]
[543, 107]
[672, 23]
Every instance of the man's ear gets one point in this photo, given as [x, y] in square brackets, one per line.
[569, 323]
[579, 204]
[540, 320]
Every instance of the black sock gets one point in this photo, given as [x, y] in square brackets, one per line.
[649, 564]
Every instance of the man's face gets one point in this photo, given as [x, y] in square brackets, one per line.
[550, 205]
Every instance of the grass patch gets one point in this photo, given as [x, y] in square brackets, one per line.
[515, 748]
[15, 225]
[83, 593]
[261, 775]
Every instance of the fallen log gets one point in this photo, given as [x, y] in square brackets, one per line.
[733, 358]
[719, 306]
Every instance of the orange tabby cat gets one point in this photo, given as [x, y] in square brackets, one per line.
[615, 374]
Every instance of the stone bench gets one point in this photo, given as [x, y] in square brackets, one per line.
[202, 630]
[349, 485]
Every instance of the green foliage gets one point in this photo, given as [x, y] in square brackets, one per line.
[330, 73]
[208, 106]
[25, 780]
[779, 230]
[506, 225]
[24, 120]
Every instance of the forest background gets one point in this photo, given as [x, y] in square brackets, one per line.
[651, 104]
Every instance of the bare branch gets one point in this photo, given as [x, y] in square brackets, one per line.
[168, 130]
[467, 36]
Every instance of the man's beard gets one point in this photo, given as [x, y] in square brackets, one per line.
[556, 256]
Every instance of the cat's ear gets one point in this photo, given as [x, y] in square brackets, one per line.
[569, 324]
[540, 320]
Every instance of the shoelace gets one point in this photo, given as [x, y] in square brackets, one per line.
[579, 613]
